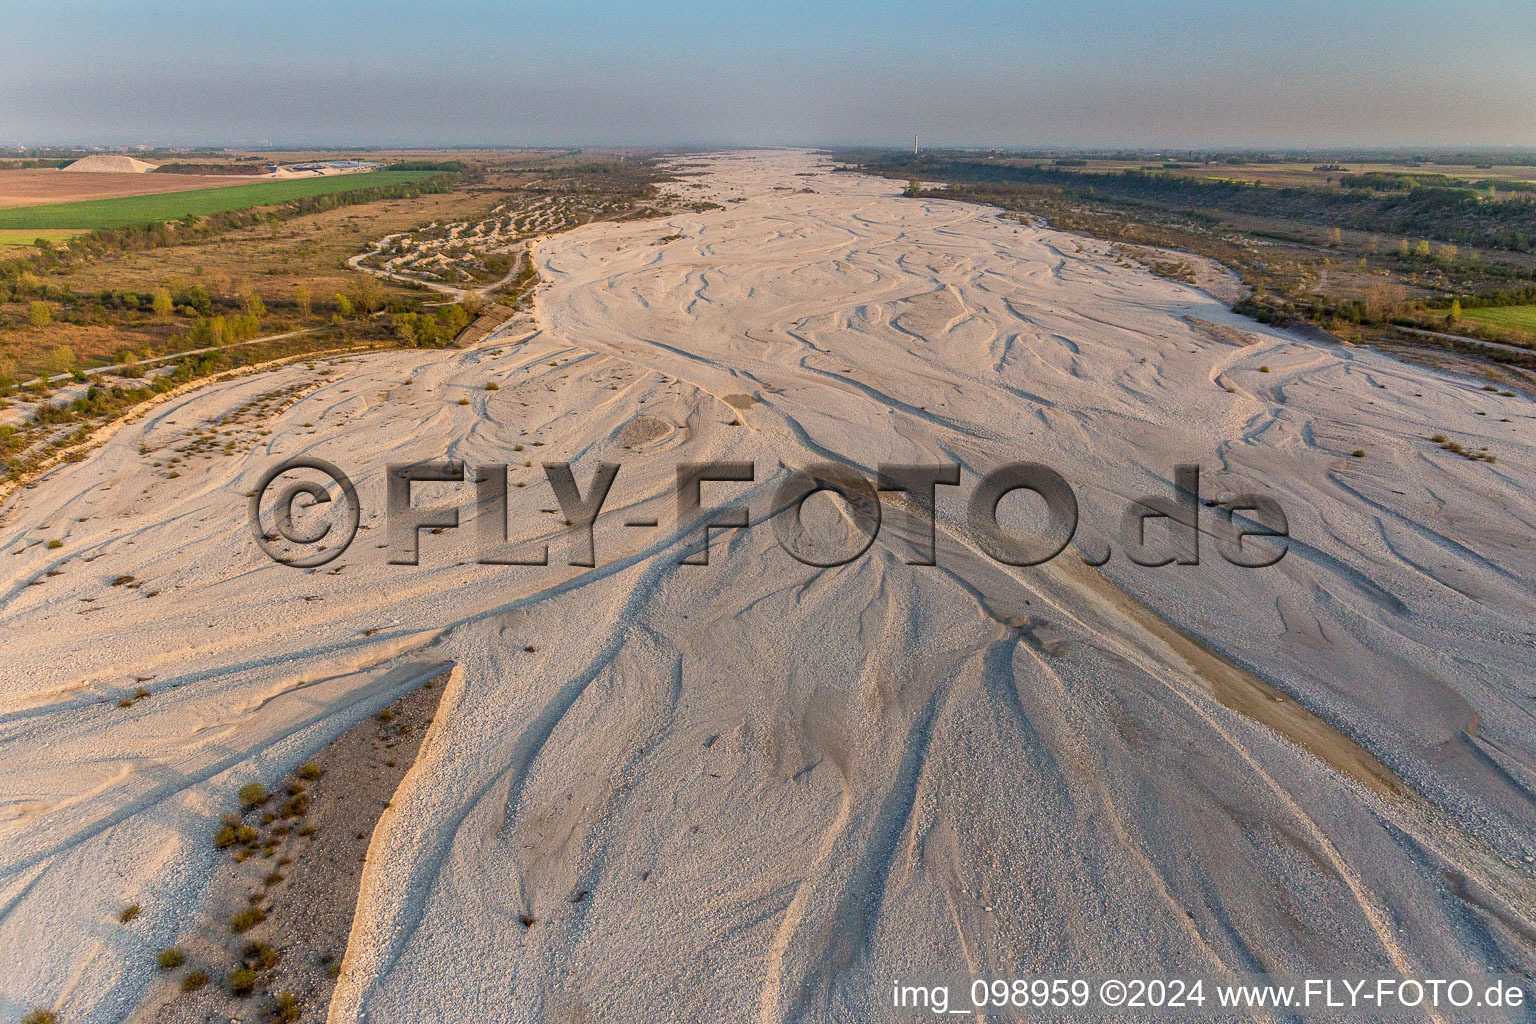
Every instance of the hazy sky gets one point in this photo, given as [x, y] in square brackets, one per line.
[1027, 73]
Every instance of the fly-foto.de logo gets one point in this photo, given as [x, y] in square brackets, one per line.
[304, 522]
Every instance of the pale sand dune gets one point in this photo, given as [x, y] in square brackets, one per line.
[782, 787]
[112, 163]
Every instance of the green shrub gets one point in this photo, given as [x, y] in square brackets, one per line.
[194, 981]
[241, 981]
[253, 794]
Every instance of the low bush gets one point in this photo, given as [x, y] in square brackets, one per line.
[259, 956]
[247, 919]
[242, 980]
[285, 1009]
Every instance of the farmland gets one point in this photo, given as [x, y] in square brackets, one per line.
[150, 209]
[20, 238]
[50, 186]
[1509, 318]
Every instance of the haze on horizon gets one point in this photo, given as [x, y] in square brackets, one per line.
[1032, 73]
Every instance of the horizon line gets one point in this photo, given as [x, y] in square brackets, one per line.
[1044, 147]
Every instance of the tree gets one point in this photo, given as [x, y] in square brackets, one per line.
[163, 304]
[40, 314]
[301, 298]
[367, 296]
[1455, 313]
[254, 306]
[47, 258]
[343, 305]
[1421, 250]
[199, 299]
[452, 319]
[914, 188]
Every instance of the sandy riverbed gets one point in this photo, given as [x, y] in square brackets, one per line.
[778, 786]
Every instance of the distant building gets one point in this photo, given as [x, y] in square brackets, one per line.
[316, 168]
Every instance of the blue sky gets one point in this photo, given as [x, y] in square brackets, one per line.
[1183, 72]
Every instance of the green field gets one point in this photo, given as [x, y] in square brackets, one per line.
[134, 210]
[1510, 318]
[21, 238]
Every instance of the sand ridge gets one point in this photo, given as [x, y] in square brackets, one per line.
[108, 163]
[775, 784]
